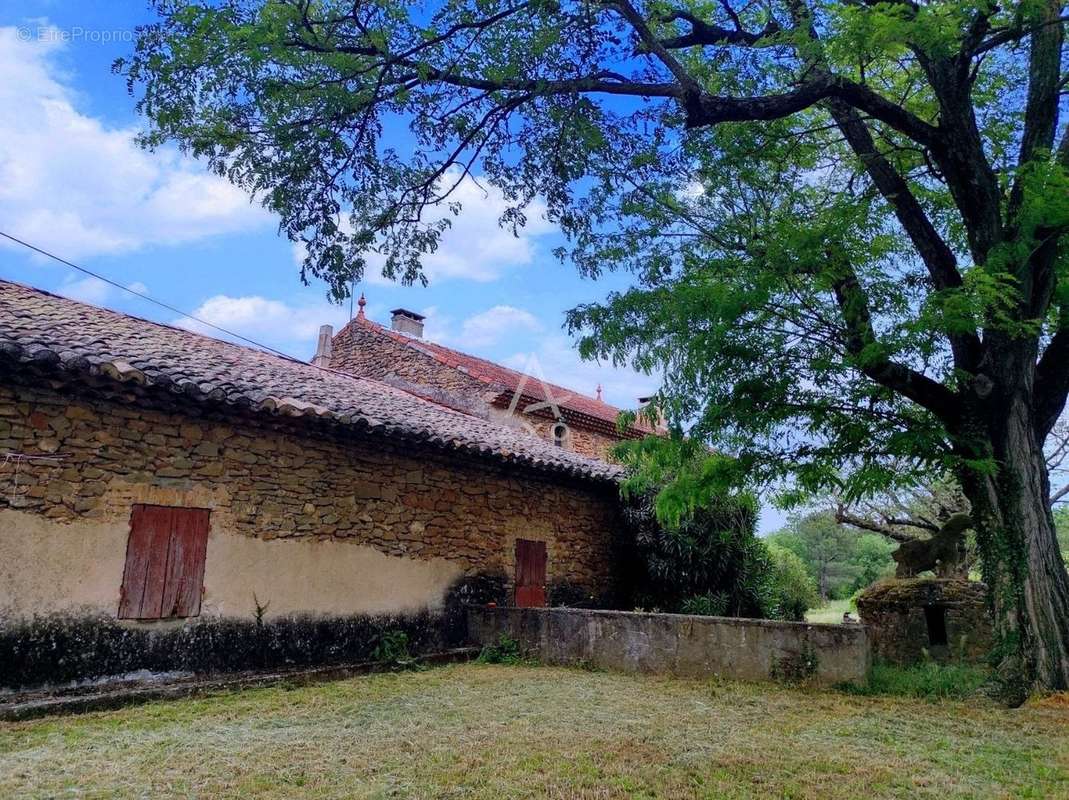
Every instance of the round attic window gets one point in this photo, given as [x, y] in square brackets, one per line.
[560, 434]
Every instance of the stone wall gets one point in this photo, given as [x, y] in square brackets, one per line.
[361, 350]
[676, 644]
[903, 615]
[310, 520]
[584, 441]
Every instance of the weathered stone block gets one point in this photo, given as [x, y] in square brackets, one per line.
[946, 619]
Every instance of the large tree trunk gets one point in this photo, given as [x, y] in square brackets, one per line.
[1019, 552]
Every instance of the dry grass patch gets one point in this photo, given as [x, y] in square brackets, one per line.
[483, 731]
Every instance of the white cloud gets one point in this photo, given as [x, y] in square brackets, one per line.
[87, 290]
[437, 325]
[95, 291]
[72, 184]
[475, 247]
[293, 329]
[492, 325]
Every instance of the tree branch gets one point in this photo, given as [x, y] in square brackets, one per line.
[868, 354]
[1051, 384]
[844, 517]
[703, 34]
[1058, 495]
[653, 44]
[937, 256]
[978, 29]
[711, 110]
[1014, 34]
[1041, 106]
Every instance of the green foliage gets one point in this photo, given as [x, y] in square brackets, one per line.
[680, 475]
[711, 562]
[840, 559]
[929, 679]
[1061, 526]
[695, 541]
[506, 651]
[794, 590]
[871, 558]
[392, 651]
[713, 604]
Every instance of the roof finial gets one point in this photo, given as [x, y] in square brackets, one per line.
[361, 302]
[599, 391]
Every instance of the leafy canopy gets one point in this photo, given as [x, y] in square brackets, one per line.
[811, 289]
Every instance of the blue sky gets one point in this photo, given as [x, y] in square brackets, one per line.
[73, 182]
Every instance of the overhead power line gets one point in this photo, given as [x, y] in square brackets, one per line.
[144, 296]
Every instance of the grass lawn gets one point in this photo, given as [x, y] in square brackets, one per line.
[487, 731]
[832, 611]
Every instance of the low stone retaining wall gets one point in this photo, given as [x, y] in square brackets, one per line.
[683, 645]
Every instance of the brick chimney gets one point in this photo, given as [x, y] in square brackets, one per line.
[407, 322]
[660, 425]
[324, 346]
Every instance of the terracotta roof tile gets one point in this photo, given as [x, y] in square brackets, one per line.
[509, 380]
[36, 326]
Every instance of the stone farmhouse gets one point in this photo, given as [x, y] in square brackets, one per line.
[399, 355]
[154, 474]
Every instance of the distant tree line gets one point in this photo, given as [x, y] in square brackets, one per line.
[839, 559]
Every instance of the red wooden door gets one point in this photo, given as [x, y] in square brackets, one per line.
[530, 573]
[164, 571]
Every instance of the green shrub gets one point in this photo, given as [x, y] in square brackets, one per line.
[929, 680]
[392, 651]
[710, 563]
[506, 651]
[794, 591]
[714, 604]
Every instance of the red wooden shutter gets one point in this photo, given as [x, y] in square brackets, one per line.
[164, 570]
[142, 585]
[185, 563]
[530, 573]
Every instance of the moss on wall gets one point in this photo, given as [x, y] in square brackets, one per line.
[894, 610]
[58, 648]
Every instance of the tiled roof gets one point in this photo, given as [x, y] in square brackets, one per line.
[40, 328]
[511, 381]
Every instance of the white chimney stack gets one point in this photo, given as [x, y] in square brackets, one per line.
[407, 322]
[324, 346]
